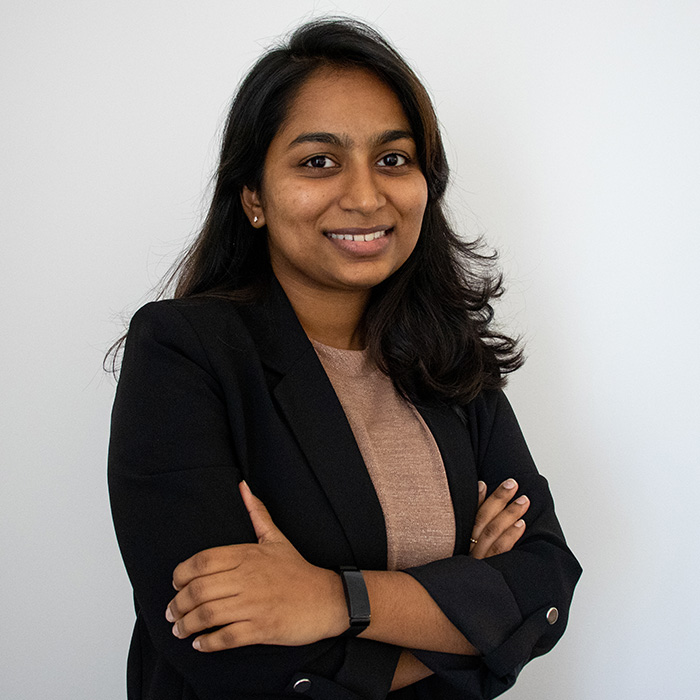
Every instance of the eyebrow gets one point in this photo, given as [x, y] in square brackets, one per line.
[344, 141]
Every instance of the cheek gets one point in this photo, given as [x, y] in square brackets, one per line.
[294, 204]
[415, 201]
[414, 210]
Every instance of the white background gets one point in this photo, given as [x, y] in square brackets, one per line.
[574, 133]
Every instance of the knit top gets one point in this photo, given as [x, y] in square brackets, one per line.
[401, 456]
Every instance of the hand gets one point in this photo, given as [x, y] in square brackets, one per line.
[264, 593]
[498, 524]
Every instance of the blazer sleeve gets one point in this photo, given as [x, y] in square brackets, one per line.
[173, 481]
[513, 606]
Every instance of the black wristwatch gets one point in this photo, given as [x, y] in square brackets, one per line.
[357, 600]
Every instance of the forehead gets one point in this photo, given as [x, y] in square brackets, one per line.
[343, 101]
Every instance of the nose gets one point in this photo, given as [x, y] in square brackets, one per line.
[362, 190]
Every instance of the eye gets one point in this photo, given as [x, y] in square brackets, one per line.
[392, 160]
[319, 162]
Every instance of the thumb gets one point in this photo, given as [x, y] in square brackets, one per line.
[265, 529]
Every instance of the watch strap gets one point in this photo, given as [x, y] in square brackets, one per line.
[357, 600]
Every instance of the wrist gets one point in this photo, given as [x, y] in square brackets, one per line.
[336, 617]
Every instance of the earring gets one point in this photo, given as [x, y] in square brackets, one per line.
[255, 219]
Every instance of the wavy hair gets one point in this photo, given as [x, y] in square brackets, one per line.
[428, 326]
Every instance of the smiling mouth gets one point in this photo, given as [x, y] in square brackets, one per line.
[346, 235]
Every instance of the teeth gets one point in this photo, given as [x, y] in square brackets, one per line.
[361, 237]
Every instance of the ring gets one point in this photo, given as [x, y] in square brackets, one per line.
[473, 541]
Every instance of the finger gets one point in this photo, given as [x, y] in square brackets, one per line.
[481, 485]
[507, 540]
[231, 636]
[498, 525]
[481, 488]
[215, 613]
[202, 590]
[265, 529]
[493, 505]
[207, 562]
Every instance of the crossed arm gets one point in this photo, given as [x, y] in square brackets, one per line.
[262, 593]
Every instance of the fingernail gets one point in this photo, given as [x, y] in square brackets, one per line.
[509, 484]
[519, 523]
[522, 500]
[176, 630]
[169, 616]
[481, 485]
[175, 587]
[197, 645]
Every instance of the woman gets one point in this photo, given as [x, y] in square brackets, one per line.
[330, 350]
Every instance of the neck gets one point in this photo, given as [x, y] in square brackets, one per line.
[332, 317]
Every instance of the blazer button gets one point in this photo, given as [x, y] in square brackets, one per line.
[302, 685]
[552, 615]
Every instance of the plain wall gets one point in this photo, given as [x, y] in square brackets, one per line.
[573, 132]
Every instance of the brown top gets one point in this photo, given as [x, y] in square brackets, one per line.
[401, 456]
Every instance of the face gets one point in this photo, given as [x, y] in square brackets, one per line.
[342, 193]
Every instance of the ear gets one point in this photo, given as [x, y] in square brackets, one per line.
[250, 199]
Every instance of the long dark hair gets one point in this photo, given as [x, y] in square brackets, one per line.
[429, 325]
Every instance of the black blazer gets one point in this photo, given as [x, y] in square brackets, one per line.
[212, 392]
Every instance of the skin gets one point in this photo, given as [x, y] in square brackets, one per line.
[344, 162]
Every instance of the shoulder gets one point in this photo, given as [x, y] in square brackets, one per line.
[484, 409]
[492, 421]
[221, 333]
[206, 318]
[195, 311]
[197, 327]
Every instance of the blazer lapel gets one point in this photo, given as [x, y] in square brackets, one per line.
[452, 437]
[311, 408]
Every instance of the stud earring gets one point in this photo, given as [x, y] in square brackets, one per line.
[255, 219]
